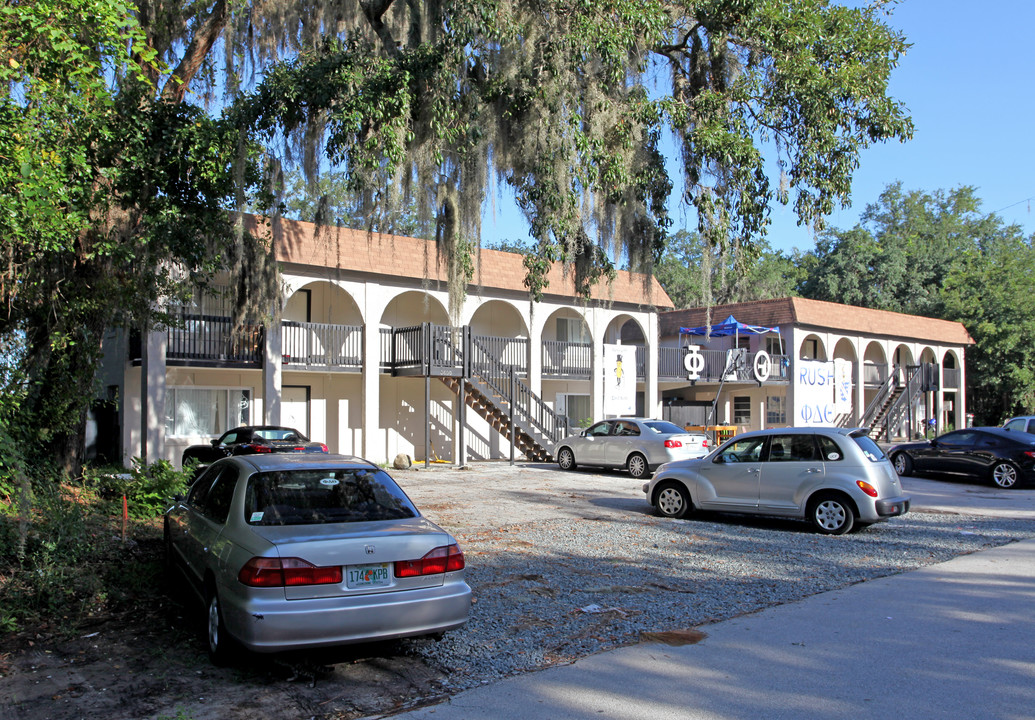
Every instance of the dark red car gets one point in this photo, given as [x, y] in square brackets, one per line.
[250, 440]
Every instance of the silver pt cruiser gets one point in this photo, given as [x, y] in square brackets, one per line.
[836, 478]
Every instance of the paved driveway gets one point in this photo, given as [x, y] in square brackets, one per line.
[969, 497]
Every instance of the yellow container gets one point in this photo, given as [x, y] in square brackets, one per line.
[721, 433]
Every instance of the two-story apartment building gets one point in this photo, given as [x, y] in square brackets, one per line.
[821, 363]
[365, 357]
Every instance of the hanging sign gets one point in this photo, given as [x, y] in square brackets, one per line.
[619, 380]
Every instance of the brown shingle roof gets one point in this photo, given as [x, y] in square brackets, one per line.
[413, 258]
[822, 315]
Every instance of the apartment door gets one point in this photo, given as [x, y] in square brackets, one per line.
[294, 407]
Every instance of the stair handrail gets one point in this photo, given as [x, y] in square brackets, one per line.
[883, 392]
[532, 412]
[913, 389]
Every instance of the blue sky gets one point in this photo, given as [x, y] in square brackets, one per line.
[967, 82]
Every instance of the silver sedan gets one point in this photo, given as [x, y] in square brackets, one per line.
[638, 444]
[836, 478]
[300, 551]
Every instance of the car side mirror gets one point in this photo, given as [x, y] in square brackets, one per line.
[215, 443]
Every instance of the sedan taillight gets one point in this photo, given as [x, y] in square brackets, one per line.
[673, 444]
[282, 572]
[440, 560]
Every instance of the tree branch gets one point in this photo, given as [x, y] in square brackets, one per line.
[199, 48]
[375, 11]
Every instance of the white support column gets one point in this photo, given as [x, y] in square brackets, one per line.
[859, 401]
[272, 373]
[373, 444]
[961, 393]
[652, 394]
[152, 396]
[535, 359]
[597, 376]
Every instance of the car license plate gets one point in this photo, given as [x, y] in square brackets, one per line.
[366, 576]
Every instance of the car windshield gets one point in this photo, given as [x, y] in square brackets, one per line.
[310, 497]
[279, 434]
[870, 449]
[664, 428]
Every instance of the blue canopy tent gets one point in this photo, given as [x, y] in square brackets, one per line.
[729, 326]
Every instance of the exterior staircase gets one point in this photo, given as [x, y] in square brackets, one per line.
[496, 410]
[493, 390]
[892, 403]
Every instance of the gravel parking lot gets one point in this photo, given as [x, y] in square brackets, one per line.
[568, 564]
[562, 565]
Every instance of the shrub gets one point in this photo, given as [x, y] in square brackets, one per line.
[148, 489]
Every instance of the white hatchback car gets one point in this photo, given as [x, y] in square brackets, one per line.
[637, 444]
[836, 478]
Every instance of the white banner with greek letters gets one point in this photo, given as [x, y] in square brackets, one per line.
[814, 382]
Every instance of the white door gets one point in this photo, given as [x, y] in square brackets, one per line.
[294, 407]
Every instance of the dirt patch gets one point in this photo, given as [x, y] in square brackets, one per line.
[152, 664]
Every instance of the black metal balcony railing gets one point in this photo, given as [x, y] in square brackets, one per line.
[321, 345]
[567, 359]
[509, 352]
[874, 375]
[214, 339]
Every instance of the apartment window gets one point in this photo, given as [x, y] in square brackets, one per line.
[572, 330]
[810, 349]
[741, 410]
[774, 345]
[192, 411]
[776, 410]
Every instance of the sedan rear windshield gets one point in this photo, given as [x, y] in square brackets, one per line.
[665, 428]
[870, 449]
[309, 497]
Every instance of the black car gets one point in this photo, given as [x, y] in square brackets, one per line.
[1006, 458]
[249, 440]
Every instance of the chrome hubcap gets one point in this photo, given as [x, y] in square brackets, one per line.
[636, 467]
[670, 501]
[830, 515]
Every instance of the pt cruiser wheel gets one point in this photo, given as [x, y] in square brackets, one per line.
[673, 500]
[831, 514]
